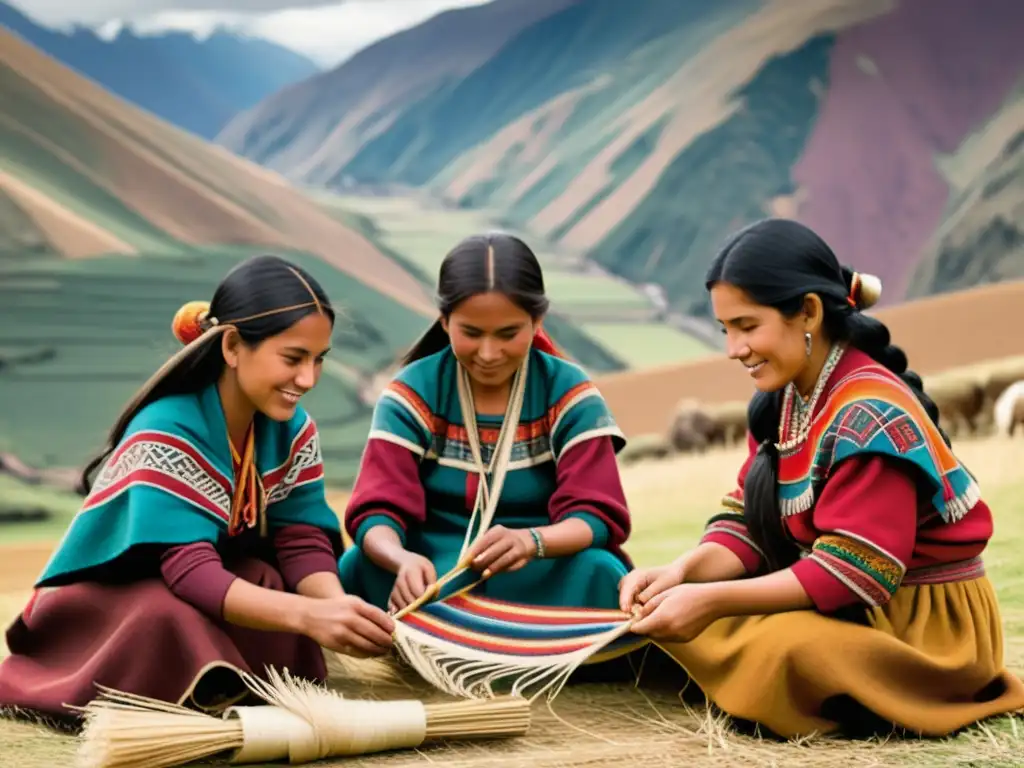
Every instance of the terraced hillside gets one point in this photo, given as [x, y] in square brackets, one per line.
[72, 152]
[640, 134]
[605, 322]
[109, 220]
[78, 337]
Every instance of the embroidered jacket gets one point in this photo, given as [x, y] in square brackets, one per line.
[417, 461]
[874, 498]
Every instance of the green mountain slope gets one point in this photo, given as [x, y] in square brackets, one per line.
[981, 239]
[77, 338]
[775, 115]
[110, 220]
[603, 321]
[637, 136]
[557, 54]
[18, 232]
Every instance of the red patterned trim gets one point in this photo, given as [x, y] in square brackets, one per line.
[525, 432]
[489, 435]
[555, 411]
[962, 570]
[732, 528]
[304, 465]
[434, 423]
[164, 461]
[307, 433]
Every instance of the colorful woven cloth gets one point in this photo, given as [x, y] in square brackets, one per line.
[465, 644]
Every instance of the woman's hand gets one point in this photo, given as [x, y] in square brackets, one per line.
[640, 585]
[348, 625]
[415, 575]
[503, 549]
[679, 613]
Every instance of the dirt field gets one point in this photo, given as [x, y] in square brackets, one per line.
[938, 333]
[605, 726]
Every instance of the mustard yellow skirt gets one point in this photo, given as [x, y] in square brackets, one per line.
[929, 662]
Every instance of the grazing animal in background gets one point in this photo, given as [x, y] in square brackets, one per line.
[1008, 411]
[960, 400]
[692, 428]
[731, 421]
[998, 382]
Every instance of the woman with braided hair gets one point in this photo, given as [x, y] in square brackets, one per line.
[205, 544]
[842, 586]
[489, 447]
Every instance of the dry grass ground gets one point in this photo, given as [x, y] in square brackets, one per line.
[598, 725]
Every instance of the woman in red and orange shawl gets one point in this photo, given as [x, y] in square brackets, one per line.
[842, 586]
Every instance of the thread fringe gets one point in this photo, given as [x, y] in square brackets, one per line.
[469, 673]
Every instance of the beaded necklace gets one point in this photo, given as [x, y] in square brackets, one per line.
[795, 423]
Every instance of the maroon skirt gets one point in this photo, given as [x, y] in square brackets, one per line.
[140, 638]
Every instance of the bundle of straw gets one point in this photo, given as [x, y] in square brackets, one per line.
[301, 722]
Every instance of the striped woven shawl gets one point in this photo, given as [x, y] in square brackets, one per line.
[464, 645]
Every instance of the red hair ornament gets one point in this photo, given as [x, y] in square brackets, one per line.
[189, 322]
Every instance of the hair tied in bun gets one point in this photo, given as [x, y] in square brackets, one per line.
[868, 290]
[190, 322]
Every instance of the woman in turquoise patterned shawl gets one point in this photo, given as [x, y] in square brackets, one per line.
[484, 393]
[205, 545]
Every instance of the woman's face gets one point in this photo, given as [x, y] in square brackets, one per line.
[276, 373]
[770, 346]
[490, 336]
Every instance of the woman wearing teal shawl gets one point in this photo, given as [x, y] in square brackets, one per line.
[485, 389]
[205, 545]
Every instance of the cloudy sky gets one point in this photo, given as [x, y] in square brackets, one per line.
[327, 31]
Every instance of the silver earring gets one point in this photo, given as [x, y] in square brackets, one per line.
[807, 343]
